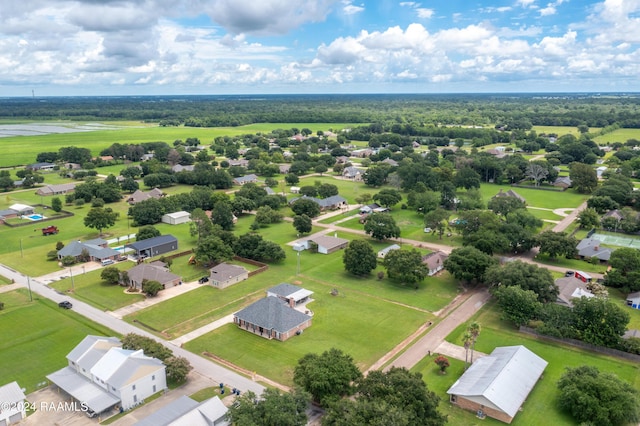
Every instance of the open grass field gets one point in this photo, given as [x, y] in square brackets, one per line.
[562, 130]
[545, 214]
[41, 328]
[541, 405]
[90, 288]
[571, 264]
[620, 135]
[24, 149]
[536, 197]
[346, 188]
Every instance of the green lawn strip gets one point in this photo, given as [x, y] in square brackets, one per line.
[537, 197]
[571, 264]
[4, 280]
[281, 233]
[541, 406]
[561, 130]
[362, 326]
[621, 299]
[46, 335]
[619, 135]
[545, 214]
[90, 288]
[351, 215]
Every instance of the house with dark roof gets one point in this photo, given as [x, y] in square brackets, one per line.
[62, 188]
[616, 214]
[272, 318]
[330, 203]
[225, 275]
[97, 250]
[186, 411]
[13, 406]
[291, 294]
[498, 384]
[139, 195]
[102, 375]
[435, 261]
[589, 248]
[390, 161]
[180, 168]
[154, 271]
[562, 182]
[245, 179]
[571, 288]
[284, 168]
[154, 246]
[241, 162]
[352, 172]
[510, 193]
[41, 166]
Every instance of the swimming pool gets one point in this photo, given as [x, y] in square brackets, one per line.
[35, 217]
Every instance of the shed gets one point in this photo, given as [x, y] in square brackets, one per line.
[498, 384]
[327, 244]
[633, 300]
[13, 407]
[382, 253]
[154, 246]
[22, 209]
[225, 275]
[176, 218]
[291, 294]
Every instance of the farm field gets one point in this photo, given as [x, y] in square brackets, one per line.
[537, 197]
[541, 405]
[620, 135]
[562, 130]
[45, 330]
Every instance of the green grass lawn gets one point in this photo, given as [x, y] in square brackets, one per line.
[620, 135]
[571, 264]
[562, 130]
[347, 188]
[536, 197]
[541, 405]
[90, 288]
[545, 214]
[41, 337]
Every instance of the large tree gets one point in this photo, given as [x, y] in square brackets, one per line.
[100, 218]
[302, 223]
[556, 244]
[212, 249]
[222, 215]
[597, 398]
[359, 258]
[525, 275]
[437, 220]
[272, 408]
[625, 272]
[305, 206]
[583, 178]
[327, 376]
[405, 266]
[388, 197]
[178, 368]
[381, 226]
[505, 205]
[518, 306]
[468, 264]
[600, 321]
[396, 397]
[146, 232]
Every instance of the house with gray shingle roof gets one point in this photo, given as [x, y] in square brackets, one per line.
[62, 188]
[571, 288]
[498, 384]
[97, 249]
[272, 318]
[589, 248]
[139, 196]
[510, 193]
[154, 271]
[330, 203]
[245, 179]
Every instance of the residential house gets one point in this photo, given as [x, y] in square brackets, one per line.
[17, 210]
[272, 318]
[154, 271]
[510, 193]
[498, 384]
[225, 275]
[330, 203]
[571, 288]
[391, 162]
[294, 190]
[97, 250]
[352, 172]
[562, 182]
[41, 166]
[342, 159]
[245, 179]
[415, 144]
[180, 168]
[146, 157]
[241, 162]
[12, 405]
[616, 214]
[102, 375]
[373, 208]
[435, 261]
[290, 294]
[382, 253]
[185, 411]
[589, 248]
[326, 244]
[269, 191]
[284, 168]
[176, 218]
[633, 300]
[154, 246]
[139, 195]
[60, 189]
[497, 152]
[600, 171]
[362, 153]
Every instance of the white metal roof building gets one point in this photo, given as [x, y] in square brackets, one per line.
[497, 385]
[13, 409]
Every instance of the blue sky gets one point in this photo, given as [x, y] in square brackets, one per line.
[152, 47]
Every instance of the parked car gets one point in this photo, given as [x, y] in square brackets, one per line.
[568, 274]
[65, 304]
[203, 280]
[106, 262]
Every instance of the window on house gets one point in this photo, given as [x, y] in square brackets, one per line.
[135, 398]
[113, 388]
[154, 388]
[133, 387]
[153, 377]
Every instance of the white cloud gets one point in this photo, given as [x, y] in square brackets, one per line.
[526, 3]
[424, 13]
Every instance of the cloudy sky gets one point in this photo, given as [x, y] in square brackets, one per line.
[147, 47]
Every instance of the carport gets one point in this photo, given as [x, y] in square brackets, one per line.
[82, 390]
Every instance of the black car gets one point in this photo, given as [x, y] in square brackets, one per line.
[203, 280]
[568, 274]
[65, 304]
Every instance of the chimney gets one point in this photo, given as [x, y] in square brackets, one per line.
[596, 248]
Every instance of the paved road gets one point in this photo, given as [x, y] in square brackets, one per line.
[200, 365]
[564, 223]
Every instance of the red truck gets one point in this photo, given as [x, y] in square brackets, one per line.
[50, 230]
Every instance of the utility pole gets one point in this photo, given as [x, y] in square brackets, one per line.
[29, 286]
[72, 284]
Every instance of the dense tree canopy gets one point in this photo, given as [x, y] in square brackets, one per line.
[273, 408]
[359, 258]
[525, 275]
[405, 266]
[468, 264]
[381, 226]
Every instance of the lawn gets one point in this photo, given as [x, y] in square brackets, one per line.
[620, 135]
[545, 214]
[537, 197]
[347, 188]
[362, 326]
[541, 405]
[90, 288]
[42, 336]
[562, 130]
[571, 264]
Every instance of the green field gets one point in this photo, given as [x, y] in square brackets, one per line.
[562, 130]
[41, 337]
[620, 135]
[537, 197]
[541, 405]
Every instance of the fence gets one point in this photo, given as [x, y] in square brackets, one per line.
[583, 345]
[541, 188]
[59, 215]
[262, 266]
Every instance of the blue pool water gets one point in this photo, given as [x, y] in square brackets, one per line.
[35, 217]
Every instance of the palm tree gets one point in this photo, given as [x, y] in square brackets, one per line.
[474, 330]
[466, 341]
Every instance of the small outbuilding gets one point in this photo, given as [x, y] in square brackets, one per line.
[633, 300]
[176, 218]
[154, 246]
[382, 253]
[290, 294]
[498, 384]
[225, 275]
[326, 244]
[187, 411]
[13, 407]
